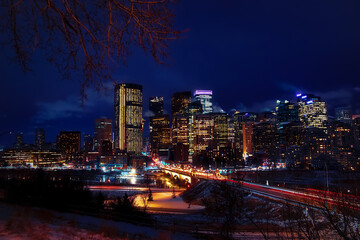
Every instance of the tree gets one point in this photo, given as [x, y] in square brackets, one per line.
[87, 37]
[225, 204]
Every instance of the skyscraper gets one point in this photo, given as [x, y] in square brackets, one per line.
[156, 105]
[312, 111]
[69, 142]
[220, 129]
[193, 109]
[102, 132]
[266, 139]
[204, 132]
[19, 141]
[160, 134]
[179, 102]
[39, 138]
[286, 112]
[344, 114]
[88, 143]
[248, 138]
[205, 98]
[128, 117]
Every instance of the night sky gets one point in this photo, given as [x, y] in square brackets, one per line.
[250, 53]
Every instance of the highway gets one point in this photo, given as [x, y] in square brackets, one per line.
[308, 197]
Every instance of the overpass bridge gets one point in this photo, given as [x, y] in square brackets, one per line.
[307, 197]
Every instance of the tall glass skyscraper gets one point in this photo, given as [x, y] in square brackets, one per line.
[179, 102]
[128, 103]
[156, 105]
[312, 111]
[205, 98]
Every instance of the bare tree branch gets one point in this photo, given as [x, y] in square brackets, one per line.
[88, 37]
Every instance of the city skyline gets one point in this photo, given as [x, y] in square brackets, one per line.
[147, 114]
[248, 61]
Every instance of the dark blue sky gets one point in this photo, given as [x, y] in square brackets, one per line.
[250, 53]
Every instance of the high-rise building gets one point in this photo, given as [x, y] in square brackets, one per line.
[205, 98]
[248, 138]
[102, 132]
[179, 102]
[39, 138]
[316, 145]
[356, 124]
[160, 140]
[204, 132]
[220, 130]
[344, 114]
[286, 112]
[156, 105]
[19, 141]
[266, 140]
[312, 111]
[191, 111]
[69, 142]
[128, 117]
[180, 130]
[88, 143]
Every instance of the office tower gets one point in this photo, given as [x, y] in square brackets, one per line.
[69, 142]
[312, 111]
[238, 133]
[205, 98]
[267, 116]
[220, 130]
[286, 112]
[39, 138]
[204, 132]
[266, 140]
[88, 143]
[246, 116]
[342, 142]
[128, 117]
[316, 145]
[102, 132]
[156, 105]
[341, 134]
[160, 139]
[291, 144]
[180, 138]
[248, 143]
[179, 102]
[356, 124]
[344, 114]
[231, 130]
[191, 111]
[19, 141]
[106, 148]
[242, 121]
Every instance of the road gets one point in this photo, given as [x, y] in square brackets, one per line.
[309, 197]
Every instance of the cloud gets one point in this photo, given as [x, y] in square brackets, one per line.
[267, 105]
[341, 96]
[288, 87]
[71, 106]
[217, 109]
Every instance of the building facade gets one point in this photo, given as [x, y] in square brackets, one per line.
[156, 105]
[312, 111]
[205, 98]
[179, 102]
[128, 103]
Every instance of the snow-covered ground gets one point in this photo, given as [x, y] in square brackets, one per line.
[18, 222]
[165, 202]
